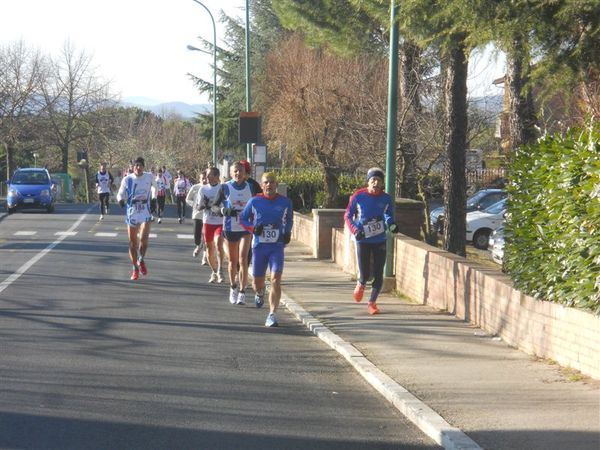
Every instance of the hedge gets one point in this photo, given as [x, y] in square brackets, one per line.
[553, 231]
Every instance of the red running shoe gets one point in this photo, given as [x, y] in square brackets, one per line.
[372, 308]
[143, 268]
[135, 274]
[359, 291]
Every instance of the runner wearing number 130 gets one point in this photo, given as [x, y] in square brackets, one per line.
[368, 215]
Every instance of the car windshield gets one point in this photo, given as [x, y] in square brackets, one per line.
[30, 178]
[496, 208]
[473, 201]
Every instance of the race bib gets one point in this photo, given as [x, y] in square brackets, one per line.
[137, 208]
[270, 235]
[373, 227]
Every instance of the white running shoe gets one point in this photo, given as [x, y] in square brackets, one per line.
[101, 216]
[159, 220]
[233, 295]
[213, 278]
[219, 277]
[196, 251]
[271, 320]
[205, 258]
[241, 299]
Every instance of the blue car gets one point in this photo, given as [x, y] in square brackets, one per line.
[30, 188]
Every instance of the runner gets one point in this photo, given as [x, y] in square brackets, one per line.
[161, 193]
[232, 199]
[135, 192]
[270, 218]
[213, 224]
[194, 199]
[367, 216]
[104, 183]
[181, 185]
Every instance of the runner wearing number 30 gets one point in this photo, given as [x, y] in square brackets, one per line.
[368, 216]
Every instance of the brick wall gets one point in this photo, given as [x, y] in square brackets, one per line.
[486, 298]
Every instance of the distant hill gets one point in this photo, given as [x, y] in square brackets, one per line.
[182, 109]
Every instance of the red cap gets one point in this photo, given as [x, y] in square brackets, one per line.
[246, 164]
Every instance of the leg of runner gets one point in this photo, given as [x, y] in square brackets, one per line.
[274, 298]
[132, 232]
[220, 257]
[379, 253]
[233, 250]
[363, 255]
[245, 243]
[144, 236]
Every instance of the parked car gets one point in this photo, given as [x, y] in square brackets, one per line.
[496, 245]
[477, 202]
[481, 224]
[30, 188]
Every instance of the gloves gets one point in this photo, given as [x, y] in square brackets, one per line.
[287, 238]
[204, 202]
[215, 209]
[359, 235]
[258, 229]
[229, 212]
[393, 228]
[122, 203]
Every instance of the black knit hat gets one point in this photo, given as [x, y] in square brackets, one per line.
[375, 172]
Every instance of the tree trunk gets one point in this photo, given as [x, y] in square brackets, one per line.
[521, 115]
[455, 184]
[10, 160]
[332, 186]
[65, 158]
[411, 105]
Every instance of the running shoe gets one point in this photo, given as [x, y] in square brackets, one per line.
[259, 300]
[372, 308]
[159, 220]
[179, 220]
[143, 268]
[101, 216]
[219, 277]
[213, 278]
[205, 258]
[241, 299]
[359, 291]
[233, 295]
[135, 274]
[196, 251]
[271, 320]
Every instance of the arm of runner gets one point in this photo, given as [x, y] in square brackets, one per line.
[190, 198]
[247, 216]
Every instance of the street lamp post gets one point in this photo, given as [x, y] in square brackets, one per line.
[214, 54]
[35, 157]
[249, 155]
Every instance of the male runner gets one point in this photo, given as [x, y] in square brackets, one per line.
[104, 182]
[270, 218]
[135, 192]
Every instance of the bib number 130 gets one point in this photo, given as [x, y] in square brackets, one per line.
[373, 228]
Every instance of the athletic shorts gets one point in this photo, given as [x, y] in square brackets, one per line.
[210, 231]
[267, 255]
[137, 214]
[234, 236]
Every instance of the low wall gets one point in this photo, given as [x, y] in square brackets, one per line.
[486, 298]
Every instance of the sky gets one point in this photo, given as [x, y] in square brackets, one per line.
[140, 45]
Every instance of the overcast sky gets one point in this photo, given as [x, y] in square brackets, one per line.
[140, 45]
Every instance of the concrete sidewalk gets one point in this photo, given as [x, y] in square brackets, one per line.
[462, 387]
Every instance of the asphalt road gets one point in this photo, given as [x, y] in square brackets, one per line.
[91, 360]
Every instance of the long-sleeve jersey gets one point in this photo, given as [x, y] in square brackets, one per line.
[369, 213]
[181, 186]
[275, 214]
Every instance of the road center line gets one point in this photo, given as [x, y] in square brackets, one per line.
[25, 267]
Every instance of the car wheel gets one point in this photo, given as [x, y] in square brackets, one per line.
[481, 239]
[11, 210]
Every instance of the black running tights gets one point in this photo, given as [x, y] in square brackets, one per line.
[364, 253]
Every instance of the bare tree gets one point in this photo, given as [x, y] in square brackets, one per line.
[73, 93]
[21, 77]
[328, 109]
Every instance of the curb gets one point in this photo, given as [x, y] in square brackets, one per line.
[425, 418]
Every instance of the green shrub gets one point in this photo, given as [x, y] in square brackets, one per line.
[306, 188]
[553, 231]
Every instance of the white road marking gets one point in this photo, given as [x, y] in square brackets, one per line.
[65, 233]
[106, 234]
[185, 236]
[152, 235]
[25, 233]
[25, 267]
